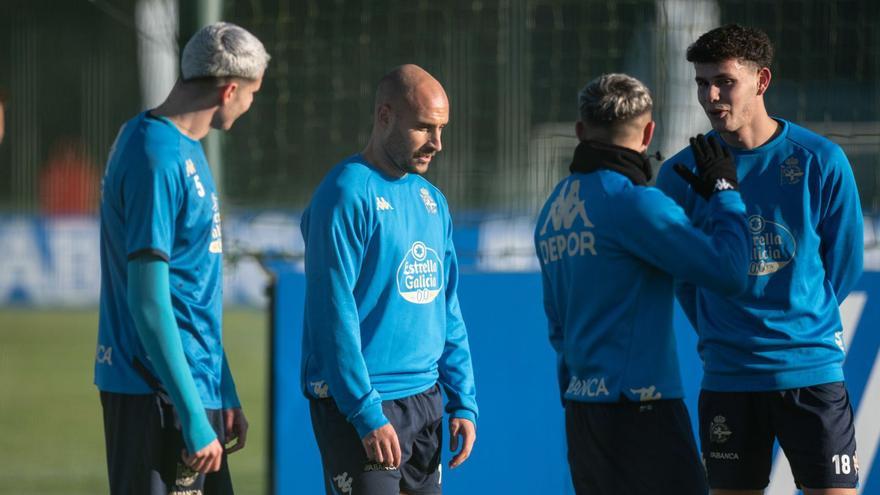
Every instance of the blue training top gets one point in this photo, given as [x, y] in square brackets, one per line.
[806, 247]
[608, 251]
[382, 319]
[158, 197]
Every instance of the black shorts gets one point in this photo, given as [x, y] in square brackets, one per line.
[814, 426]
[633, 448]
[144, 447]
[418, 421]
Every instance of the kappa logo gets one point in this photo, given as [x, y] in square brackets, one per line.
[430, 204]
[320, 389]
[382, 204]
[343, 483]
[566, 208]
[790, 171]
[647, 393]
[838, 339]
[723, 185]
[719, 432]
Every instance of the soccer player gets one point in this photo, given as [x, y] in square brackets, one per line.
[170, 405]
[773, 356]
[609, 246]
[383, 329]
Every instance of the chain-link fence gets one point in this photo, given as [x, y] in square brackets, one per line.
[72, 72]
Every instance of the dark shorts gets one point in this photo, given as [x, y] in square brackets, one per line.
[633, 448]
[144, 449]
[418, 421]
[814, 426]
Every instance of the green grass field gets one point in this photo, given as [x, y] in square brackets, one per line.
[51, 434]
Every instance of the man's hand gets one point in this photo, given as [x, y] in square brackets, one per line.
[715, 166]
[382, 446]
[468, 432]
[236, 429]
[206, 460]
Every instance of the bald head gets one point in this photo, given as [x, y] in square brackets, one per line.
[410, 113]
[408, 84]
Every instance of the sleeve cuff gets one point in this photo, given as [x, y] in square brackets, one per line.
[369, 419]
[199, 435]
[149, 252]
[465, 414]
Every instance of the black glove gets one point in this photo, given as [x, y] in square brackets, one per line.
[714, 164]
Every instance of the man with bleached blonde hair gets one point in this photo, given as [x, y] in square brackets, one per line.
[609, 246]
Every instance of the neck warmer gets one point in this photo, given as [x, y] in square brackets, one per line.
[590, 156]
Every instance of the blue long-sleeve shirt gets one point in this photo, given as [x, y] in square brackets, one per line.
[805, 237]
[608, 251]
[382, 318]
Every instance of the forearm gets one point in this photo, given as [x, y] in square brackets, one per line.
[149, 300]
[457, 374]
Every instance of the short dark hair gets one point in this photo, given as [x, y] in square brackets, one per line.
[732, 41]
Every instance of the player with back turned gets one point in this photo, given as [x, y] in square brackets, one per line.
[609, 246]
[773, 356]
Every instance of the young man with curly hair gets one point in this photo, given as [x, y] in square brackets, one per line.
[773, 356]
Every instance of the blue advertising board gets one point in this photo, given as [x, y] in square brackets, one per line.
[520, 445]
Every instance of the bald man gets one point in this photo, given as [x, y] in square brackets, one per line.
[383, 330]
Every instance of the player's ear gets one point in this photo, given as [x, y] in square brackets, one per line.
[384, 114]
[764, 76]
[227, 92]
[648, 133]
[580, 130]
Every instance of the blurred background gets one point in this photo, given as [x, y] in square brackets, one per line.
[72, 72]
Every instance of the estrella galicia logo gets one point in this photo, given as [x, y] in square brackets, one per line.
[420, 274]
[773, 246]
[790, 171]
[719, 432]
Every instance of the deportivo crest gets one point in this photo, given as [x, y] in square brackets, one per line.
[719, 432]
[420, 274]
[186, 476]
[430, 204]
[790, 171]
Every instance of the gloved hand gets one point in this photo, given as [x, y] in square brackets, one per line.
[715, 166]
